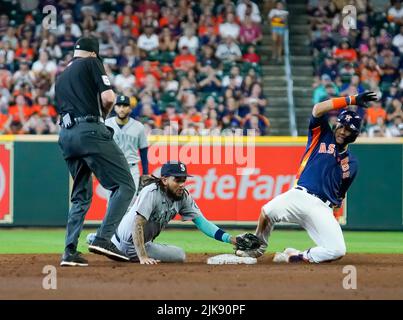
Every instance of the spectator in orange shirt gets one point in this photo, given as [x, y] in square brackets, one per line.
[345, 52]
[374, 112]
[146, 68]
[24, 51]
[43, 107]
[5, 121]
[371, 73]
[184, 61]
[20, 112]
[128, 15]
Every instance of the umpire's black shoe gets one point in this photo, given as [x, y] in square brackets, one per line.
[73, 259]
[107, 248]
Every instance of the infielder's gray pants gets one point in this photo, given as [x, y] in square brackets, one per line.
[157, 251]
[89, 148]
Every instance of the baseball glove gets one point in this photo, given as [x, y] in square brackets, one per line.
[247, 241]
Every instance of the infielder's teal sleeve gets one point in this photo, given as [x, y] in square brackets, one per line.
[210, 229]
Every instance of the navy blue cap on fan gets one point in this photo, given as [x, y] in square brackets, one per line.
[174, 169]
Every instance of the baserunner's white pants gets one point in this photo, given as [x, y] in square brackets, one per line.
[312, 214]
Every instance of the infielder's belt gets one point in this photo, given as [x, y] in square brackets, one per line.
[327, 202]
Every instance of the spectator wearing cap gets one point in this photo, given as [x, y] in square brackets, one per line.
[148, 41]
[69, 23]
[228, 51]
[230, 28]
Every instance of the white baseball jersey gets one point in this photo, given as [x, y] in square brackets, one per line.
[130, 138]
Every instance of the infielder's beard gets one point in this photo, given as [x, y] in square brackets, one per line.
[173, 195]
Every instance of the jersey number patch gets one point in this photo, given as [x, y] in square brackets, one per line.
[106, 81]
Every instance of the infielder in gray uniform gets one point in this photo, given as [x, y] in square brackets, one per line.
[156, 205]
[130, 136]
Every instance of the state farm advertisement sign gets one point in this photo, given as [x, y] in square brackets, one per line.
[228, 185]
[5, 183]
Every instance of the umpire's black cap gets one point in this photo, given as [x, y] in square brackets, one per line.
[174, 169]
[90, 44]
[123, 100]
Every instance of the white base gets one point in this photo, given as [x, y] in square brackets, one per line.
[230, 259]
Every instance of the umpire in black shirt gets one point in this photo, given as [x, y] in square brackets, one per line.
[84, 98]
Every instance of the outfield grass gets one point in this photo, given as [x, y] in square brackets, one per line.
[193, 241]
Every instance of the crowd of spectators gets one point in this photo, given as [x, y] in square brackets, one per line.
[196, 63]
[367, 56]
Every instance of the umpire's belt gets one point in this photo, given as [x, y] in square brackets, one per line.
[327, 202]
[89, 118]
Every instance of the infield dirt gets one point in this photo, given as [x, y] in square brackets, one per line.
[378, 277]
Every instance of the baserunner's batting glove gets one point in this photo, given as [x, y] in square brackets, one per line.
[363, 99]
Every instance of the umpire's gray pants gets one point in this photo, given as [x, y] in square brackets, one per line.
[89, 148]
[157, 251]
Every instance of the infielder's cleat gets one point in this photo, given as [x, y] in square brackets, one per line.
[73, 260]
[287, 256]
[108, 249]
